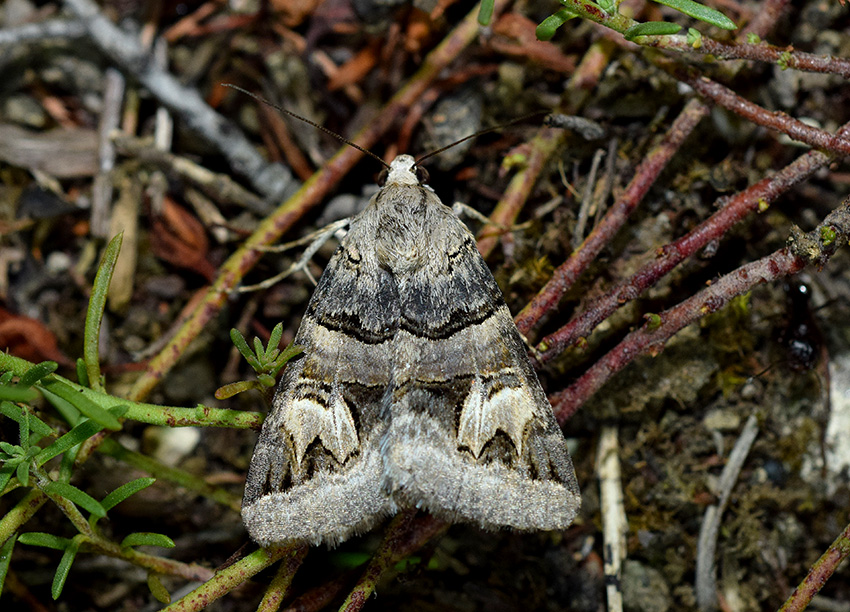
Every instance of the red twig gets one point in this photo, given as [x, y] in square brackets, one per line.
[768, 14]
[731, 212]
[544, 145]
[407, 533]
[761, 52]
[567, 273]
[541, 148]
[815, 247]
[779, 121]
[819, 574]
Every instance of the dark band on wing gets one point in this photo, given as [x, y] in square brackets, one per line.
[457, 320]
[351, 324]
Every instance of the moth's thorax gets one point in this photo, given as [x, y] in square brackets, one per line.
[405, 219]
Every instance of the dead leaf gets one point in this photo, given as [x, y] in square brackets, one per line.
[29, 339]
[180, 239]
[355, 69]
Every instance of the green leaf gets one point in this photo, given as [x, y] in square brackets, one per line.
[259, 349]
[22, 471]
[700, 12]
[80, 433]
[350, 560]
[82, 375]
[24, 430]
[37, 372]
[485, 13]
[66, 465]
[651, 28]
[82, 403]
[63, 569]
[828, 235]
[6, 475]
[125, 491]
[5, 559]
[11, 411]
[157, 589]
[274, 341]
[11, 449]
[6, 378]
[147, 539]
[607, 5]
[281, 360]
[65, 408]
[266, 380]
[694, 38]
[547, 28]
[17, 394]
[235, 388]
[94, 314]
[239, 342]
[653, 321]
[75, 495]
[47, 540]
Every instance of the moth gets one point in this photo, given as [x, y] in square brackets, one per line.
[414, 389]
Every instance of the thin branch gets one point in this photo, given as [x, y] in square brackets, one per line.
[731, 210]
[405, 535]
[159, 470]
[279, 585]
[170, 416]
[227, 579]
[816, 247]
[218, 186]
[160, 565]
[23, 511]
[614, 522]
[567, 273]
[545, 144]
[62, 29]
[541, 148]
[787, 57]
[774, 120]
[820, 572]
[706, 580]
[271, 180]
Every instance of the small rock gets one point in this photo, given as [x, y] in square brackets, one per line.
[644, 589]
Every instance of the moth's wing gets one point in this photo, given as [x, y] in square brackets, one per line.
[316, 473]
[472, 436]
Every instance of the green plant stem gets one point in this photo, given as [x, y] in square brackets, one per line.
[170, 416]
[94, 314]
[227, 579]
[161, 471]
[406, 534]
[592, 11]
[20, 514]
[70, 510]
[276, 592]
[93, 539]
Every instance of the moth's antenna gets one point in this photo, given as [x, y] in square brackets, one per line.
[313, 123]
[477, 134]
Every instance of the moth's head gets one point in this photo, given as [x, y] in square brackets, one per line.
[403, 170]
